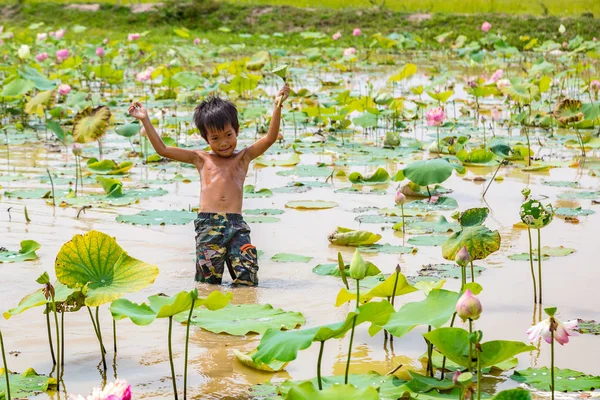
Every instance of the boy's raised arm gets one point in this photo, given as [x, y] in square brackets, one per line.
[263, 144]
[138, 111]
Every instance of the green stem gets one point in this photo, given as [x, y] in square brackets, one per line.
[463, 271]
[552, 361]
[352, 333]
[470, 345]
[187, 340]
[444, 360]
[171, 359]
[472, 272]
[115, 335]
[478, 377]
[98, 335]
[403, 224]
[6, 372]
[493, 177]
[540, 263]
[52, 185]
[531, 265]
[319, 365]
[58, 362]
[395, 286]
[439, 150]
[50, 334]
[429, 354]
[62, 340]
[76, 175]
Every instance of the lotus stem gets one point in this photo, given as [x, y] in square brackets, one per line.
[470, 346]
[52, 185]
[472, 272]
[429, 354]
[439, 149]
[493, 177]
[463, 271]
[478, 376]
[62, 340]
[403, 225]
[395, 286]
[552, 361]
[115, 335]
[540, 263]
[50, 334]
[187, 339]
[76, 175]
[58, 363]
[581, 139]
[531, 265]
[352, 333]
[6, 372]
[96, 330]
[444, 359]
[319, 364]
[171, 359]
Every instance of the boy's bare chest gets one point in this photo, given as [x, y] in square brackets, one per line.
[223, 169]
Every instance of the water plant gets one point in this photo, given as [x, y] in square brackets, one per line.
[5, 364]
[49, 294]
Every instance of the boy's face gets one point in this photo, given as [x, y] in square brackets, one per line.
[223, 142]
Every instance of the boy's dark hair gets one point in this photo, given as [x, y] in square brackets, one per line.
[215, 113]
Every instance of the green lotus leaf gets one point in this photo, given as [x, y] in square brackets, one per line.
[37, 299]
[334, 270]
[427, 240]
[251, 192]
[241, 83]
[56, 128]
[239, 320]
[566, 380]
[407, 71]
[535, 215]
[159, 217]
[128, 130]
[437, 309]
[36, 193]
[25, 385]
[311, 204]
[27, 252]
[281, 71]
[442, 225]
[479, 241]
[349, 237]
[573, 212]
[386, 249]
[160, 306]
[247, 360]
[263, 211]
[307, 171]
[428, 172]
[422, 384]
[40, 81]
[292, 160]
[380, 176]
[36, 104]
[90, 124]
[188, 79]
[112, 187]
[95, 261]
[308, 391]
[17, 88]
[108, 167]
[384, 290]
[258, 61]
[547, 252]
[447, 271]
[513, 394]
[441, 203]
[454, 344]
[522, 92]
[473, 216]
[501, 150]
[288, 257]
[477, 156]
[579, 195]
[568, 111]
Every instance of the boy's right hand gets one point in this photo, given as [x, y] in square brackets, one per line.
[138, 111]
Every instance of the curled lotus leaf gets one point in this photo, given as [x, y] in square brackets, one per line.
[350, 237]
[569, 111]
[535, 215]
[428, 172]
[479, 240]
[25, 385]
[281, 71]
[90, 124]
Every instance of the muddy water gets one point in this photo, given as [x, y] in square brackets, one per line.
[569, 282]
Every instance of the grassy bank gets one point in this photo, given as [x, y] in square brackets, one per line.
[208, 19]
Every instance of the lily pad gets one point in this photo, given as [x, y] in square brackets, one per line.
[250, 192]
[288, 257]
[239, 320]
[441, 203]
[260, 219]
[588, 327]
[35, 193]
[377, 219]
[159, 217]
[566, 380]
[108, 167]
[583, 195]
[380, 176]
[292, 160]
[386, 249]
[448, 271]
[350, 237]
[354, 190]
[311, 204]
[308, 391]
[27, 252]
[263, 211]
[428, 172]
[569, 184]
[427, 240]
[442, 225]
[25, 385]
[513, 394]
[307, 171]
[572, 212]
[547, 252]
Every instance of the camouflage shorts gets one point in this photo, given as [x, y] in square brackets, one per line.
[224, 239]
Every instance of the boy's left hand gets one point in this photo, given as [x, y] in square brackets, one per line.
[283, 94]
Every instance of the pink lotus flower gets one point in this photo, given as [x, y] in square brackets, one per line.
[62, 54]
[400, 198]
[42, 36]
[435, 116]
[496, 76]
[117, 390]
[561, 331]
[133, 36]
[496, 114]
[41, 57]
[462, 257]
[336, 35]
[595, 85]
[486, 26]
[196, 41]
[64, 89]
[502, 83]
[144, 75]
[59, 33]
[356, 32]
[565, 45]
[350, 51]
[468, 306]
[100, 52]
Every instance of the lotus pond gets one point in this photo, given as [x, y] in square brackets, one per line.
[410, 184]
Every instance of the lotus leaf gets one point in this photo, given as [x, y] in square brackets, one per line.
[427, 240]
[361, 381]
[428, 172]
[17, 88]
[441, 203]
[25, 385]
[435, 310]
[36, 104]
[40, 81]
[239, 320]
[281, 71]
[112, 187]
[513, 394]
[522, 92]
[407, 71]
[473, 216]
[378, 177]
[447, 271]
[108, 167]
[384, 290]
[56, 128]
[251, 192]
[386, 248]
[546, 253]
[454, 344]
[349, 237]
[587, 195]
[566, 380]
[35, 194]
[37, 299]
[128, 130]
[479, 241]
[247, 360]
[293, 159]
[535, 215]
[442, 225]
[588, 327]
[158, 217]
[307, 171]
[568, 111]
[27, 252]
[311, 204]
[90, 124]
[287, 257]
[421, 384]
[188, 79]
[308, 391]
[260, 219]
[95, 261]
[334, 270]
[572, 212]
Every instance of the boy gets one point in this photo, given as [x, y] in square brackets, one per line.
[222, 236]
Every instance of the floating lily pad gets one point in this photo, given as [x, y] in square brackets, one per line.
[427, 240]
[292, 189]
[354, 190]
[572, 212]
[442, 225]
[250, 192]
[377, 219]
[129, 197]
[386, 248]
[27, 252]
[288, 257]
[25, 385]
[588, 327]
[441, 203]
[447, 271]
[307, 171]
[566, 380]
[350, 237]
[569, 184]
[260, 219]
[239, 320]
[159, 217]
[292, 160]
[547, 252]
[263, 211]
[36, 193]
[584, 195]
[311, 204]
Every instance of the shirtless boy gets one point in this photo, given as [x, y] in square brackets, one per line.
[222, 236]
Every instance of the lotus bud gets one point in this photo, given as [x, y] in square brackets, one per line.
[64, 89]
[23, 52]
[463, 257]
[455, 377]
[41, 57]
[400, 198]
[358, 266]
[59, 33]
[100, 52]
[133, 36]
[468, 306]
[105, 41]
[562, 29]
[77, 149]
[62, 54]
[486, 26]
[196, 41]
[455, 215]
[356, 32]
[526, 192]
[336, 35]
[398, 268]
